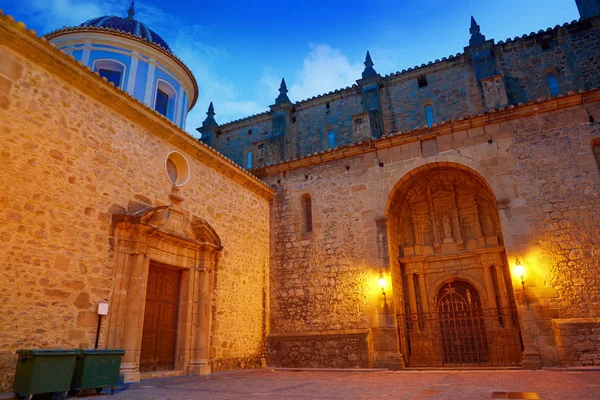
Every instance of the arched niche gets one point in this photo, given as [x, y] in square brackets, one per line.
[166, 236]
[443, 223]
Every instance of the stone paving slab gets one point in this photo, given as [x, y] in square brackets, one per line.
[328, 385]
[421, 385]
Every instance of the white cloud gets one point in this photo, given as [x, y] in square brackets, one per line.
[53, 14]
[324, 69]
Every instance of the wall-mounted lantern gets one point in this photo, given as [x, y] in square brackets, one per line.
[519, 270]
[382, 283]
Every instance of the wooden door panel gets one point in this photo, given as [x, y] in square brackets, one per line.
[159, 337]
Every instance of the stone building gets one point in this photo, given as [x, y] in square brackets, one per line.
[437, 180]
[379, 225]
[105, 199]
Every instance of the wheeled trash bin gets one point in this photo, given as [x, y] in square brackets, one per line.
[97, 369]
[44, 371]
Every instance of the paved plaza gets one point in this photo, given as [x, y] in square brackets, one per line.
[422, 385]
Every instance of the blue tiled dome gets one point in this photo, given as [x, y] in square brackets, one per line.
[127, 25]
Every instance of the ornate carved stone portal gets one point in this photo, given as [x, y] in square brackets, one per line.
[456, 306]
[165, 236]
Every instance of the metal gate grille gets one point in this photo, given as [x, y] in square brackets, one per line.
[461, 333]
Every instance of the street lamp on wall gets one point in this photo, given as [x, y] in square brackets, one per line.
[520, 270]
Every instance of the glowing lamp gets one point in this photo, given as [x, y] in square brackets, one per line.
[382, 281]
[519, 270]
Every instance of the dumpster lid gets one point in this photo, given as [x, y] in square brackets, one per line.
[103, 352]
[47, 352]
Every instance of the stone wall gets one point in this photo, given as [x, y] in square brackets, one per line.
[570, 53]
[316, 119]
[452, 90]
[537, 161]
[578, 341]
[350, 349]
[74, 152]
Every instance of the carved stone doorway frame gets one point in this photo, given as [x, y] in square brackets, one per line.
[165, 235]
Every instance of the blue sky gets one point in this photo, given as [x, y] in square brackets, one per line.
[239, 50]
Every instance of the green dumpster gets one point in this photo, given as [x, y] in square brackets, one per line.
[97, 369]
[44, 371]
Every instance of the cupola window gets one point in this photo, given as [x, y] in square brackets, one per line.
[165, 99]
[162, 102]
[111, 70]
[111, 76]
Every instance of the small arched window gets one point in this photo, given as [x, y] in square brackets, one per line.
[249, 160]
[112, 70]
[552, 85]
[331, 139]
[165, 98]
[306, 203]
[429, 115]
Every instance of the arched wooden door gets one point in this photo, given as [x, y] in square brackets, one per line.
[462, 327]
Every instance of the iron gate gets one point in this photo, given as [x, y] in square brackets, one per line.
[460, 333]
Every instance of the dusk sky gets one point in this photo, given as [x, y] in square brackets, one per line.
[240, 50]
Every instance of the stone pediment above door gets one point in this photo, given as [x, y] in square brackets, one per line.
[174, 222]
[169, 220]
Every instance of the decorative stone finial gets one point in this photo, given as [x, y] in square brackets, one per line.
[283, 97]
[476, 36]
[369, 71]
[131, 11]
[210, 120]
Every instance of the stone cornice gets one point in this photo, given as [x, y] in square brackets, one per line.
[16, 37]
[446, 127]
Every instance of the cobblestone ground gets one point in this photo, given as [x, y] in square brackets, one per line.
[427, 385]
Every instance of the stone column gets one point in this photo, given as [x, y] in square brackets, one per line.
[200, 364]
[505, 307]
[412, 300]
[489, 286]
[137, 267]
[423, 295]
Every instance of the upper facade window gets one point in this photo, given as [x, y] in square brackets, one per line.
[429, 115]
[552, 85]
[249, 160]
[331, 139]
[112, 70]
